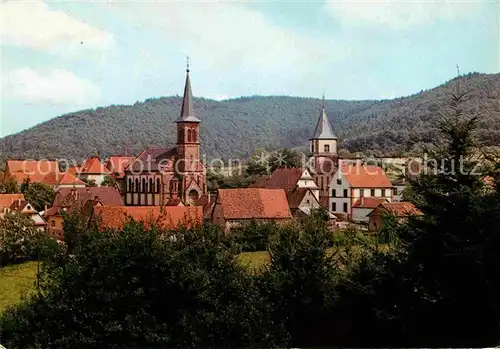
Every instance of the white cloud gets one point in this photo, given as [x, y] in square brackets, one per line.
[398, 14]
[233, 38]
[35, 25]
[57, 88]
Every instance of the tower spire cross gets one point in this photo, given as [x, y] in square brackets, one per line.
[187, 64]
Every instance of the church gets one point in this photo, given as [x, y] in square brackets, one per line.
[170, 176]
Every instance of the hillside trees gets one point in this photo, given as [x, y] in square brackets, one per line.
[38, 194]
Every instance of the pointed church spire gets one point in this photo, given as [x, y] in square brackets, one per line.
[323, 128]
[187, 112]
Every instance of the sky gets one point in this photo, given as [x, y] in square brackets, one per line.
[63, 56]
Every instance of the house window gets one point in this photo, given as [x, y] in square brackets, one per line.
[345, 193]
[361, 192]
[334, 206]
[308, 202]
[327, 148]
[339, 182]
[394, 191]
[52, 223]
[383, 192]
[345, 206]
[334, 194]
[372, 192]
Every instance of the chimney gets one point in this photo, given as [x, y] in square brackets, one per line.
[45, 210]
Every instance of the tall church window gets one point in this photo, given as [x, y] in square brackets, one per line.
[137, 188]
[157, 185]
[191, 159]
[151, 185]
[144, 186]
[312, 147]
[194, 135]
[189, 135]
[130, 185]
[180, 136]
[327, 148]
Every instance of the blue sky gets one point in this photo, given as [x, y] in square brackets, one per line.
[59, 56]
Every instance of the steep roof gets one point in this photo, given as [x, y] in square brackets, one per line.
[368, 202]
[284, 178]
[155, 159]
[60, 178]
[6, 200]
[35, 170]
[187, 111]
[94, 165]
[365, 176]
[260, 182]
[107, 195]
[398, 208]
[118, 164]
[253, 203]
[323, 128]
[295, 197]
[115, 217]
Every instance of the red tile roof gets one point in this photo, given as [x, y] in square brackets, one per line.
[94, 166]
[400, 208]
[61, 178]
[260, 182]
[35, 170]
[368, 202]
[366, 176]
[115, 217]
[74, 170]
[118, 164]
[295, 197]
[253, 203]
[6, 200]
[284, 178]
[107, 195]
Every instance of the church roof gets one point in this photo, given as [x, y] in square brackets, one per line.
[187, 112]
[154, 159]
[323, 127]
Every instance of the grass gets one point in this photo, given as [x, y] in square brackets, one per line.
[16, 281]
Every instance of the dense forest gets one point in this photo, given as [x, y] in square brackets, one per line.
[234, 128]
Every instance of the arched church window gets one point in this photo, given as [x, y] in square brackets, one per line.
[151, 185]
[191, 159]
[180, 136]
[144, 186]
[312, 147]
[137, 188]
[157, 185]
[189, 135]
[194, 135]
[130, 185]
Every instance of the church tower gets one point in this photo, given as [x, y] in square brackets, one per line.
[323, 146]
[323, 141]
[190, 169]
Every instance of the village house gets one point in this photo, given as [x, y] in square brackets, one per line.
[355, 181]
[301, 190]
[34, 170]
[58, 180]
[67, 199]
[17, 203]
[363, 206]
[159, 175]
[235, 206]
[165, 217]
[400, 210]
[93, 170]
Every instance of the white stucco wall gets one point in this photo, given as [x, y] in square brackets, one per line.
[339, 198]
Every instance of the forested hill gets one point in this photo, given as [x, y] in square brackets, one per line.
[234, 128]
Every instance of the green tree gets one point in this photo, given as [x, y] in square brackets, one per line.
[8, 185]
[258, 165]
[38, 194]
[285, 158]
[109, 181]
